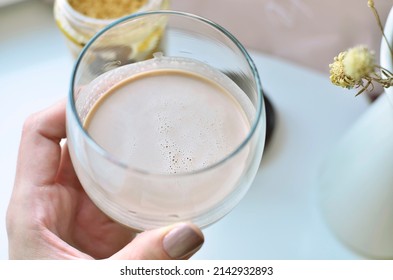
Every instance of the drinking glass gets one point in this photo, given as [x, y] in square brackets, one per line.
[138, 197]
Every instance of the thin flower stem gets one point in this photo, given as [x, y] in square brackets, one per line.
[375, 12]
[365, 87]
[385, 71]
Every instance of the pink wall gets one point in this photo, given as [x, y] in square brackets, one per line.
[309, 32]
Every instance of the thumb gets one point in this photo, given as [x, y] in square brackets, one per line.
[179, 241]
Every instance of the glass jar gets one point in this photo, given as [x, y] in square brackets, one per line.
[79, 28]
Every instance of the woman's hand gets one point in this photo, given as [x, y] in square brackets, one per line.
[51, 217]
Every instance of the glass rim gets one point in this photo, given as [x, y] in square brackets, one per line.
[91, 142]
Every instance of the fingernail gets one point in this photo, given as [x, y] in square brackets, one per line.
[182, 240]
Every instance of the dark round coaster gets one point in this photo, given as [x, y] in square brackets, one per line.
[244, 83]
[270, 120]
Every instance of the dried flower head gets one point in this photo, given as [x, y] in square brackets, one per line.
[337, 73]
[356, 67]
[359, 63]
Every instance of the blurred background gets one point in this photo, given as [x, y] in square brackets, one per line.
[306, 32]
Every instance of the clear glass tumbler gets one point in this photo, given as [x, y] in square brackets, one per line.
[139, 196]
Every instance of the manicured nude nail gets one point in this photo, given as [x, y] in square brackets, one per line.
[182, 240]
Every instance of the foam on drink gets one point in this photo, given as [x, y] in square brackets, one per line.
[169, 120]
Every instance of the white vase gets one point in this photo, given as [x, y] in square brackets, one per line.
[356, 180]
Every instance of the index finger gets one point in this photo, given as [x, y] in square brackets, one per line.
[39, 150]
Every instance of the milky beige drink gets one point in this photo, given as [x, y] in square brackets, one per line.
[168, 123]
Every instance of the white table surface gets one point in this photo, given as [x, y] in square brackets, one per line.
[278, 219]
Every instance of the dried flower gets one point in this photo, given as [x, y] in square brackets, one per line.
[358, 63]
[337, 73]
[356, 67]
